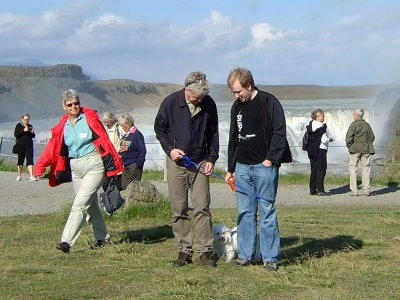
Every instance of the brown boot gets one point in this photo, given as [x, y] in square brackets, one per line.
[207, 260]
[183, 259]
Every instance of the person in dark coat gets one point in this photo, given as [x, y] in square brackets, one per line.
[318, 143]
[24, 134]
[257, 147]
[187, 124]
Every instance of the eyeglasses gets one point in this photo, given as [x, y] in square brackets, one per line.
[73, 103]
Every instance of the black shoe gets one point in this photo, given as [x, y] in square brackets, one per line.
[183, 259]
[313, 193]
[240, 262]
[64, 247]
[323, 194]
[270, 266]
[207, 259]
[100, 244]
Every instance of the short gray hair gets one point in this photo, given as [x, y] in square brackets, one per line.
[126, 119]
[359, 112]
[69, 95]
[109, 117]
[197, 83]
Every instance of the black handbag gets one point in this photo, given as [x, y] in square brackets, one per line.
[111, 199]
[14, 149]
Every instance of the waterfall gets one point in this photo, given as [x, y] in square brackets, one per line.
[338, 116]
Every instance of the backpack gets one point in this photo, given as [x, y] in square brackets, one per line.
[304, 144]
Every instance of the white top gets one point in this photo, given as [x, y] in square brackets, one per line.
[325, 138]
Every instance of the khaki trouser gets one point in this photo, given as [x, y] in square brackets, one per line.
[364, 160]
[180, 181]
[87, 174]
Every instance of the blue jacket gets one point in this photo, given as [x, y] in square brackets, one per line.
[136, 152]
[197, 136]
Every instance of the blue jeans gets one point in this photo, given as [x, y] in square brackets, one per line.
[262, 181]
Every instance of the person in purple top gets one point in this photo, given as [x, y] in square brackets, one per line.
[132, 151]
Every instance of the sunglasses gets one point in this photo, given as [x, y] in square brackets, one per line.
[73, 103]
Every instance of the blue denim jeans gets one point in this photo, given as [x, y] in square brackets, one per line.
[262, 181]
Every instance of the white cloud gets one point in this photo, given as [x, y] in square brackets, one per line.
[263, 33]
[110, 45]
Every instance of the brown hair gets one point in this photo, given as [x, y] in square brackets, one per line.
[245, 77]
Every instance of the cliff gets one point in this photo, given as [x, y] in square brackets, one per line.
[10, 73]
[37, 91]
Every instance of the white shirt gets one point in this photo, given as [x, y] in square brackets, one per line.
[325, 138]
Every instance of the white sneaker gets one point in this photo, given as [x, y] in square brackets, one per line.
[32, 179]
[18, 178]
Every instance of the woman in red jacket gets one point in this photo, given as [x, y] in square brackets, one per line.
[80, 150]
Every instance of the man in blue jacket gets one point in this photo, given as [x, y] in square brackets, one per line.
[187, 124]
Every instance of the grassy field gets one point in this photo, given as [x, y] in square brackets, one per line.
[327, 253]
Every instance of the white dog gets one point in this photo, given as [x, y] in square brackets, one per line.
[225, 243]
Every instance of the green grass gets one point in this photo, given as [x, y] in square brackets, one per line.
[327, 253]
[7, 166]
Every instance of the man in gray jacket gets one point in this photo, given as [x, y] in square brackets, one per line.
[359, 141]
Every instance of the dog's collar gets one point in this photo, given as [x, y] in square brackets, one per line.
[233, 232]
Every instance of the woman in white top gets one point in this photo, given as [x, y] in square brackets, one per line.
[318, 142]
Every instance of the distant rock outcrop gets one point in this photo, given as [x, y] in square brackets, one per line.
[37, 90]
[58, 71]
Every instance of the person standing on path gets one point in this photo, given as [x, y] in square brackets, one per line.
[133, 153]
[359, 141]
[257, 147]
[187, 124]
[24, 134]
[318, 143]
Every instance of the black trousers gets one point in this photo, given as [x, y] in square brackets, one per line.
[318, 171]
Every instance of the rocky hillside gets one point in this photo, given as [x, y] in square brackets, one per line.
[37, 90]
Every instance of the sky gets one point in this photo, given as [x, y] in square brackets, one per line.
[323, 42]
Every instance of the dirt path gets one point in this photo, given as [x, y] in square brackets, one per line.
[24, 197]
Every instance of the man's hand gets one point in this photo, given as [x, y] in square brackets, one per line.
[208, 168]
[229, 175]
[267, 163]
[176, 154]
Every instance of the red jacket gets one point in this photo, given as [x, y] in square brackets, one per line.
[55, 154]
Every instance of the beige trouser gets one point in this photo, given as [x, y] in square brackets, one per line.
[180, 181]
[364, 160]
[87, 174]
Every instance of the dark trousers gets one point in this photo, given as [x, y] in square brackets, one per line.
[318, 171]
[26, 153]
[129, 174]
